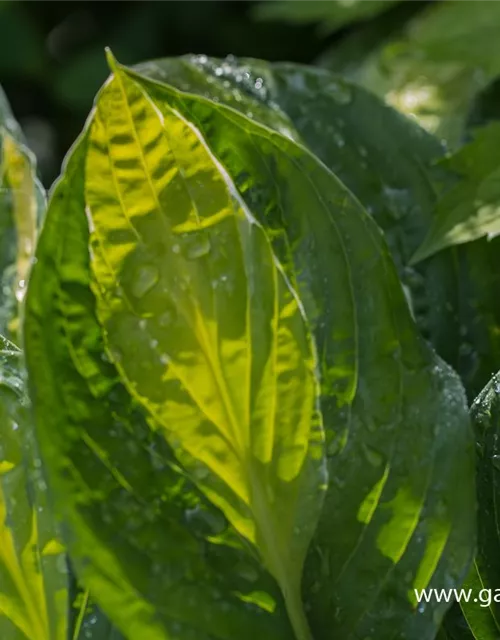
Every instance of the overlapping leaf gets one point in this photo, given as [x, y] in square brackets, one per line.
[471, 209]
[482, 612]
[33, 580]
[386, 526]
[21, 207]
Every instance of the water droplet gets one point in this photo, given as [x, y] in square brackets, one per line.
[144, 280]
[247, 572]
[116, 354]
[340, 92]
[61, 564]
[496, 462]
[201, 472]
[20, 291]
[198, 248]
[375, 458]
[338, 139]
[176, 248]
[334, 446]
[142, 324]
[441, 509]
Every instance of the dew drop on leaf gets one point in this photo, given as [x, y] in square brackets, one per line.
[340, 92]
[144, 280]
[496, 461]
[373, 457]
[247, 572]
[198, 248]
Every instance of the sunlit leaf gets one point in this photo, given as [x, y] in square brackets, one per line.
[471, 209]
[33, 580]
[229, 374]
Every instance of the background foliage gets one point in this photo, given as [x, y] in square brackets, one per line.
[52, 62]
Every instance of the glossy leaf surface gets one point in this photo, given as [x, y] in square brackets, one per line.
[372, 531]
[484, 621]
[230, 373]
[33, 580]
[471, 209]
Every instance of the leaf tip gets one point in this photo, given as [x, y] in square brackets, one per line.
[111, 60]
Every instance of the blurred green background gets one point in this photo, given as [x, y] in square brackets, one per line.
[435, 61]
[52, 54]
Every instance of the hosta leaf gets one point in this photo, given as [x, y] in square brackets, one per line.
[471, 209]
[392, 518]
[21, 207]
[331, 15]
[158, 558]
[33, 581]
[480, 619]
[388, 167]
[227, 369]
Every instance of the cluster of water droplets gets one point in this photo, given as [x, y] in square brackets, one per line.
[234, 75]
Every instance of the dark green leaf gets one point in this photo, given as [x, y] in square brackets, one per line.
[33, 580]
[484, 622]
[392, 520]
[471, 209]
